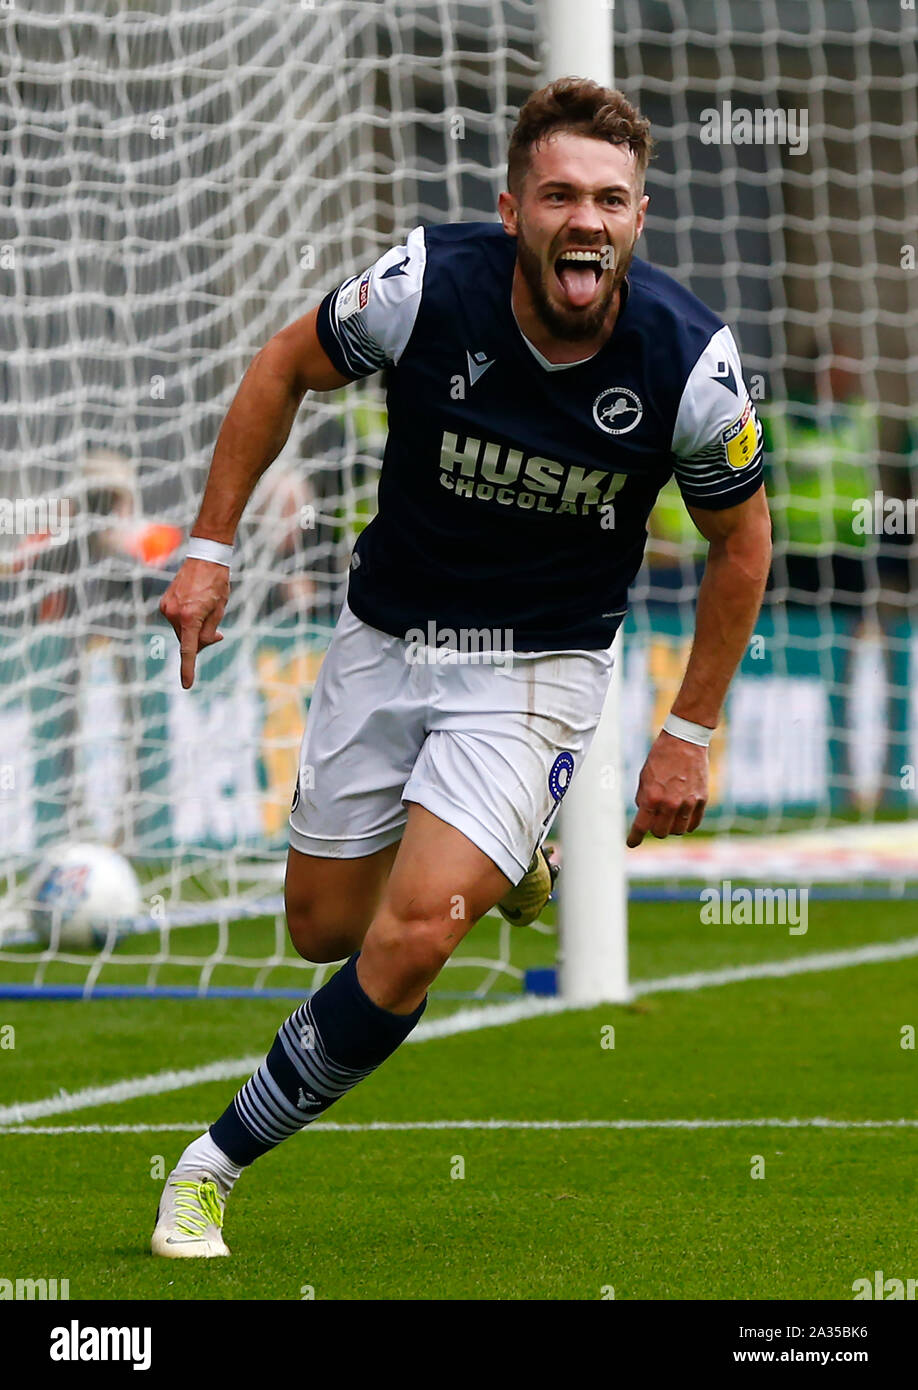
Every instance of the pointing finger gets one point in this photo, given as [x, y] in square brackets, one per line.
[188, 645]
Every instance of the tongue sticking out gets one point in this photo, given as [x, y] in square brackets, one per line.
[579, 283]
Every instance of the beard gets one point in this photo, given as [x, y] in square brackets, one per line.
[568, 324]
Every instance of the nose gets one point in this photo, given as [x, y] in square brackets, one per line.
[585, 218]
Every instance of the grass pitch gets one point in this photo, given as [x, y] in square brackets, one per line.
[670, 1212]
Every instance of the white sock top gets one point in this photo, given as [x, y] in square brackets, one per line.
[204, 1154]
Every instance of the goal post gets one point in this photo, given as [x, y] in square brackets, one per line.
[592, 892]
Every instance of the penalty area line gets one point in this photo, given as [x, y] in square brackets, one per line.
[405, 1126]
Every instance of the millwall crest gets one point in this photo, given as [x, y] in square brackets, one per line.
[617, 410]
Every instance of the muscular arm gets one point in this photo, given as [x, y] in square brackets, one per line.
[253, 433]
[673, 787]
[729, 599]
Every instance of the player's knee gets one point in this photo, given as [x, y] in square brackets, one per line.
[320, 939]
[407, 953]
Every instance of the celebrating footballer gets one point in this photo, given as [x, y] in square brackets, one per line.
[543, 385]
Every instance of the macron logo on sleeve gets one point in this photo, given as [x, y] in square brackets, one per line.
[723, 373]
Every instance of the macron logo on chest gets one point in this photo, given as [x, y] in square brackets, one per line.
[478, 365]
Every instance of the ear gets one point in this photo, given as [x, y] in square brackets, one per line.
[509, 210]
[642, 209]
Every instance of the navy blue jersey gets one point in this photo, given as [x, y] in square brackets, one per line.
[514, 492]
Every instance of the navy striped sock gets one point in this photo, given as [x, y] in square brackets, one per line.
[329, 1044]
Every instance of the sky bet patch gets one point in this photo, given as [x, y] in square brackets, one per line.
[741, 439]
[353, 297]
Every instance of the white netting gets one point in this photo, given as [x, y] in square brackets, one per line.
[182, 180]
[807, 248]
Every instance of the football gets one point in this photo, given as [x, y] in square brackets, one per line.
[81, 894]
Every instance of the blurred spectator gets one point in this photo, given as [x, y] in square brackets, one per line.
[821, 457]
[824, 474]
[277, 542]
[89, 589]
[106, 549]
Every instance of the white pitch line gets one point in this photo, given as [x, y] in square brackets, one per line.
[486, 1016]
[778, 969]
[463, 1021]
[161, 1082]
[158, 1083]
[401, 1126]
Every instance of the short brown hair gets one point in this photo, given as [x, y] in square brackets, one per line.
[581, 107]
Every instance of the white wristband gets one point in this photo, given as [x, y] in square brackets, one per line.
[199, 548]
[685, 729]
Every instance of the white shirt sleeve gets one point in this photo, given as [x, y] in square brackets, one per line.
[717, 440]
[365, 324]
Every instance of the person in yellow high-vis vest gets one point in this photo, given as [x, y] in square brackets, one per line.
[821, 459]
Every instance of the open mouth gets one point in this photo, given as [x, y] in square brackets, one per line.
[579, 272]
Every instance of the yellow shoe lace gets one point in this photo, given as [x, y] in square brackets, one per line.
[197, 1206]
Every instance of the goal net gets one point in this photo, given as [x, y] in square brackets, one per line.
[785, 194]
[181, 181]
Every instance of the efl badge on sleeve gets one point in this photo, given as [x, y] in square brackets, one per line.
[353, 297]
[741, 439]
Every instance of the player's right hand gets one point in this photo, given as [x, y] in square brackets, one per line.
[194, 604]
[672, 790]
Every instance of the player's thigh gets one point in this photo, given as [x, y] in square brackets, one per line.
[504, 748]
[365, 727]
[331, 902]
[440, 885]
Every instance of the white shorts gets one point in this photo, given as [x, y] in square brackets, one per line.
[488, 748]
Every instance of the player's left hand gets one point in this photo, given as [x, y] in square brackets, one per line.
[673, 790]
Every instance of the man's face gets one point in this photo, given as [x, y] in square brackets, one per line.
[576, 218]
